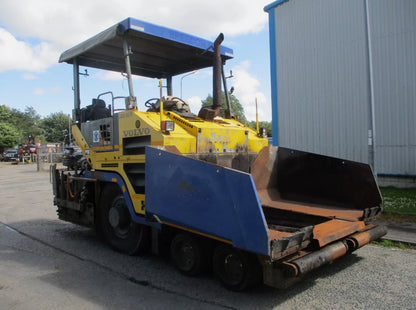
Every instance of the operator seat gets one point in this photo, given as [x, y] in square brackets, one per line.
[96, 110]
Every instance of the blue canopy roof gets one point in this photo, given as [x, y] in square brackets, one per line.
[157, 52]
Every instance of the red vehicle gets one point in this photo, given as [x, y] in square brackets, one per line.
[25, 150]
[31, 149]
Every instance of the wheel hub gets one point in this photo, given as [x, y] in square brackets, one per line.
[118, 216]
[188, 256]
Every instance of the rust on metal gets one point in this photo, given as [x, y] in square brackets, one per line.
[262, 168]
[316, 259]
[333, 230]
[238, 161]
[291, 270]
[279, 254]
[264, 173]
[207, 113]
[371, 233]
[315, 184]
[309, 261]
[217, 65]
[287, 241]
[271, 198]
[275, 234]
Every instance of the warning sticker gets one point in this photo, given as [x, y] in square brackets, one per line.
[96, 136]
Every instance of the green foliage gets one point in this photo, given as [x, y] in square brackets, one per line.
[9, 132]
[236, 107]
[5, 114]
[267, 125]
[25, 123]
[55, 126]
[394, 244]
[399, 201]
[9, 135]
[17, 126]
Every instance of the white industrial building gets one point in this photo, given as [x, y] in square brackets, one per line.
[343, 76]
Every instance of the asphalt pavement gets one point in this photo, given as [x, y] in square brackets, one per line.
[46, 263]
[401, 232]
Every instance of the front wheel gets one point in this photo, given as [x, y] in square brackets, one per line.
[116, 225]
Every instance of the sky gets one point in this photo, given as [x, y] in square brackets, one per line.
[33, 34]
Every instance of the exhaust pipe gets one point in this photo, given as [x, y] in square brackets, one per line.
[217, 68]
[206, 113]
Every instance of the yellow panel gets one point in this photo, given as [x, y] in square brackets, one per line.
[219, 136]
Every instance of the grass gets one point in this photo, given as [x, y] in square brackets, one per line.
[399, 204]
[396, 218]
[394, 244]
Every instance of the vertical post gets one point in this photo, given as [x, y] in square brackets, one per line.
[169, 85]
[227, 97]
[273, 74]
[371, 106]
[217, 67]
[161, 101]
[127, 52]
[77, 100]
[161, 106]
[184, 76]
[257, 120]
[69, 129]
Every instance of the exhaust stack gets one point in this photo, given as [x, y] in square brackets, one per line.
[217, 101]
[210, 113]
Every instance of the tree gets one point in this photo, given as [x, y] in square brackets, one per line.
[27, 122]
[5, 114]
[267, 125]
[236, 107]
[9, 135]
[55, 126]
[31, 121]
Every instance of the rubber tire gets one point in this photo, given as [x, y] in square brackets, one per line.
[188, 254]
[247, 271]
[136, 239]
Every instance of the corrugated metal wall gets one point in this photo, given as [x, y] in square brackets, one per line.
[323, 79]
[393, 39]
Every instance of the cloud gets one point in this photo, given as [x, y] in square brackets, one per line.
[20, 55]
[42, 91]
[112, 76]
[50, 21]
[54, 30]
[29, 76]
[246, 90]
[39, 91]
[195, 104]
[109, 76]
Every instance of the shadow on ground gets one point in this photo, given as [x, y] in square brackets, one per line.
[76, 260]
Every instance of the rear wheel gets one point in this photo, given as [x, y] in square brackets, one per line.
[236, 269]
[188, 254]
[116, 225]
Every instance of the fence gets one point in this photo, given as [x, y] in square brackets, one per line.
[46, 156]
